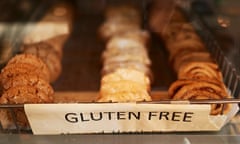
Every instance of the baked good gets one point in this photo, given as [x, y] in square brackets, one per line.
[187, 89]
[21, 95]
[198, 74]
[13, 70]
[198, 70]
[124, 85]
[109, 68]
[25, 79]
[111, 28]
[48, 55]
[37, 65]
[185, 57]
[57, 43]
[126, 72]
[191, 45]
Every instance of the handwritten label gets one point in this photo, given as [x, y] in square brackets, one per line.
[117, 117]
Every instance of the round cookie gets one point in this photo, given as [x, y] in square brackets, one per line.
[13, 70]
[54, 65]
[129, 65]
[57, 43]
[111, 28]
[50, 57]
[21, 95]
[126, 74]
[200, 69]
[41, 50]
[29, 80]
[32, 60]
[190, 56]
[26, 94]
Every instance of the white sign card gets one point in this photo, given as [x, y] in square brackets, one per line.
[118, 117]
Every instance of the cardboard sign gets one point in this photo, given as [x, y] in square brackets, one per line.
[118, 117]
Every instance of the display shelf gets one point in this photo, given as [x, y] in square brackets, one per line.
[82, 52]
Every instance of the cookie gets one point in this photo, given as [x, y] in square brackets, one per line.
[54, 65]
[31, 60]
[200, 69]
[199, 89]
[29, 80]
[57, 43]
[185, 57]
[41, 50]
[49, 56]
[126, 74]
[13, 70]
[111, 28]
[125, 97]
[110, 68]
[21, 95]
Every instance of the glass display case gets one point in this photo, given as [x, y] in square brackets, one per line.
[215, 21]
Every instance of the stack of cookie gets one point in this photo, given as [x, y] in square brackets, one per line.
[50, 52]
[126, 74]
[25, 79]
[198, 75]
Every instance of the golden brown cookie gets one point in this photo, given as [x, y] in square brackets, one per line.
[21, 95]
[128, 58]
[183, 89]
[13, 70]
[126, 74]
[27, 94]
[122, 86]
[54, 65]
[57, 43]
[111, 28]
[41, 50]
[125, 97]
[127, 50]
[176, 47]
[173, 29]
[200, 69]
[49, 56]
[29, 80]
[123, 43]
[141, 36]
[110, 68]
[31, 60]
[185, 57]
[123, 91]
[181, 36]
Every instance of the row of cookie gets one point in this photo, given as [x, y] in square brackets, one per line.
[198, 74]
[125, 73]
[25, 79]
